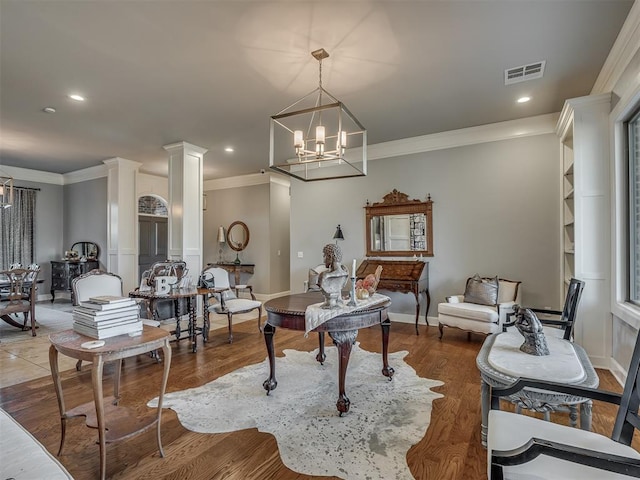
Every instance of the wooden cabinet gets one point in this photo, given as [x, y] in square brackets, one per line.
[404, 276]
[63, 271]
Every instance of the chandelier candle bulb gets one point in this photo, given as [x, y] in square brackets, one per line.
[298, 140]
[320, 136]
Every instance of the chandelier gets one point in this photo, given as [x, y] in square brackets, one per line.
[6, 190]
[317, 137]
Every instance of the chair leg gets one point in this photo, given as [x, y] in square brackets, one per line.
[440, 330]
[259, 319]
[79, 365]
[229, 317]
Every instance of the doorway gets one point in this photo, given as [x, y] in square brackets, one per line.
[153, 242]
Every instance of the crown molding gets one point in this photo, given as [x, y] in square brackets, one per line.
[524, 127]
[578, 103]
[623, 50]
[86, 174]
[245, 181]
[28, 175]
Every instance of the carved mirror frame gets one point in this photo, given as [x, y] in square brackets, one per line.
[398, 203]
[238, 247]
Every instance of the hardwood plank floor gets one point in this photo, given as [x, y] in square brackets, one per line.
[450, 448]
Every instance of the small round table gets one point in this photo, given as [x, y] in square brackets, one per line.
[289, 312]
[113, 423]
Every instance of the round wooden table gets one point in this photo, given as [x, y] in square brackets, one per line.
[289, 312]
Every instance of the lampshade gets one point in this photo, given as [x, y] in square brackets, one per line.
[221, 238]
[6, 190]
[338, 235]
[317, 137]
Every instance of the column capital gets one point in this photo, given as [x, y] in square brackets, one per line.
[187, 147]
[121, 162]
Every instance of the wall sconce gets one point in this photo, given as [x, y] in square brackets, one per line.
[338, 235]
[204, 202]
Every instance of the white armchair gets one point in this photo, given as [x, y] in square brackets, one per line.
[229, 301]
[485, 317]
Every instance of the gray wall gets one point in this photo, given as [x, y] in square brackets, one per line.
[495, 212]
[85, 215]
[279, 224]
[251, 206]
[48, 227]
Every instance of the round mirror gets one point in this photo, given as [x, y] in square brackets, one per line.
[238, 236]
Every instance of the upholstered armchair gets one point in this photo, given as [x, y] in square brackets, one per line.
[229, 301]
[311, 284]
[482, 308]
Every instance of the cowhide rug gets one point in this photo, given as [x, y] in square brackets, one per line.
[369, 442]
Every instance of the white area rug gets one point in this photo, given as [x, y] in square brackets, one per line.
[369, 442]
[48, 319]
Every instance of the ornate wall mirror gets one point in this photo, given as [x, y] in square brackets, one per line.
[88, 250]
[238, 236]
[399, 227]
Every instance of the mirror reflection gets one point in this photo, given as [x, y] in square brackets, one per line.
[238, 236]
[399, 227]
[398, 232]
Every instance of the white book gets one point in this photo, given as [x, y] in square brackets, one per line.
[106, 314]
[109, 306]
[108, 299]
[104, 323]
[131, 328]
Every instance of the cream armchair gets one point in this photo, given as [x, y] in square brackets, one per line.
[480, 315]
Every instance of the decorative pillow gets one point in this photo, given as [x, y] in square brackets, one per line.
[483, 291]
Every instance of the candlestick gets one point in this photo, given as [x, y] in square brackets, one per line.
[353, 269]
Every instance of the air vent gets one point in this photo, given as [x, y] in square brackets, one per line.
[524, 73]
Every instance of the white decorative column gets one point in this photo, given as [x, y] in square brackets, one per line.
[122, 221]
[185, 205]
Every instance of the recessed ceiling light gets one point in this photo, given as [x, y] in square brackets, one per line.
[228, 149]
[524, 99]
[76, 97]
[49, 110]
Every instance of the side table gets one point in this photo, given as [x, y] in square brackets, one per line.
[113, 423]
[501, 363]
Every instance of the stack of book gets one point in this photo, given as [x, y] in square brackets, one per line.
[107, 316]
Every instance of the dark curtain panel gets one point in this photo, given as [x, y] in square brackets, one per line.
[17, 236]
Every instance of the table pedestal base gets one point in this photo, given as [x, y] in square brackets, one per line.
[343, 340]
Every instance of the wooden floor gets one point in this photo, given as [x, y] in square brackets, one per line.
[450, 449]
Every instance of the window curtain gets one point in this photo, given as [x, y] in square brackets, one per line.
[17, 222]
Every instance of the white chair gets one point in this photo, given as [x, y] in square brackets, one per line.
[523, 447]
[477, 317]
[311, 284]
[228, 299]
[96, 283]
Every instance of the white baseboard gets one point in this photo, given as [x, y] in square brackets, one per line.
[619, 373]
[411, 318]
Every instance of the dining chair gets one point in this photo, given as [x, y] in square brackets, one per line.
[563, 325]
[520, 446]
[228, 299]
[18, 294]
[97, 283]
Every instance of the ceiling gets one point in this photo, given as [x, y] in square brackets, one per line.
[212, 73]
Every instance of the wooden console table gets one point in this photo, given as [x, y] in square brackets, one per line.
[113, 423]
[404, 276]
[235, 268]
